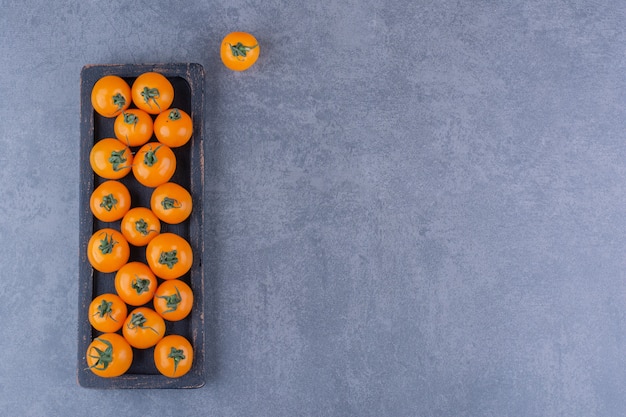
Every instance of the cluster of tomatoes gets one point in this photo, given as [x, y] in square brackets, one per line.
[144, 143]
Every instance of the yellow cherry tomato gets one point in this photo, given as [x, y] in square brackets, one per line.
[109, 355]
[171, 203]
[239, 51]
[140, 225]
[110, 201]
[173, 356]
[173, 127]
[133, 127]
[107, 313]
[154, 164]
[143, 328]
[111, 159]
[110, 96]
[173, 300]
[152, 92]
[107, 250]
[169, 256]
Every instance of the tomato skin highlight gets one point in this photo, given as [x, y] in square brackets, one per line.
[173, 356]
[110, 96]
[239, 51]
[109, 355]
[171, 203]
[107, 250]
[152, 92]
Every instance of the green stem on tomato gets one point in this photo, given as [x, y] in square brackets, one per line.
[150, 94]
[241, 50]
[104, 357]
[150, 157]
[108, 202]
[131, 119]
[168, 258]
[172, 301]
[170, 203]
[140, 285]
[139, 320]
[177, 355]
[174, 115]
[105, 310]
[119, 100]
[116, 159]
[106, 244]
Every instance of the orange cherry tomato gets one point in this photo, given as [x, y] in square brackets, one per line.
[173, 127]
[135, 283]
[155, 164]
[110, 201]
[109, 355]
[107, 250]
[133, 127]
[173, 300]
[107, 313]
[152, 92]
[143, 328]
[171, 203]
[169, 256]
[239, 51]
[110, 96]
[111, 159]
[173, 356]
[140, 225]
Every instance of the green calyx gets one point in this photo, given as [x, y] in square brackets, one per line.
[170, 203]
[177, 355]
[107, 244]
[130, 119]
[108, 202]
[139, 320]
[140, 285]
[142, 227]
[105, 310]
[240, 51]
[174, 115]
[172, 301]
[150, 95]
[168, 258]
[104, 357]
[119, 101]
[150, 157]
[116, 159]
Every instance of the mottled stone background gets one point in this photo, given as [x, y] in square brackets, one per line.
[413, 208]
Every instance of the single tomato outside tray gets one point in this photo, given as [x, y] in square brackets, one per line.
[187, 80]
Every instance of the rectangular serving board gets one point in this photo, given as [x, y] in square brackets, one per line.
[188, 82]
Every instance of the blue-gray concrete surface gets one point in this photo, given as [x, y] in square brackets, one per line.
[413, 208]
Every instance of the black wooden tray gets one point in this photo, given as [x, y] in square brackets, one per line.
[188, 82]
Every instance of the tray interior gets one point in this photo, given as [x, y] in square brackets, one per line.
[187, 80]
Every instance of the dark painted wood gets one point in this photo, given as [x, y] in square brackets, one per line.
[188, 82]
